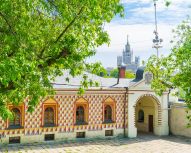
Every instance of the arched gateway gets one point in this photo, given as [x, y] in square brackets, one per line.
[147, 113]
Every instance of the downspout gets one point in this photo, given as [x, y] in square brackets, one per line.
[124, 112]
[169, 107]
[118, 75]
[169, 97]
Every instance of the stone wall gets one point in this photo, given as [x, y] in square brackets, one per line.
[178, 121]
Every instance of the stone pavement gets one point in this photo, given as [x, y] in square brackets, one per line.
[141, 144]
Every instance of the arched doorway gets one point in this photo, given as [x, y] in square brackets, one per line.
[147, 114]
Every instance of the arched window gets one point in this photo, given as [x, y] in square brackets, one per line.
[16, 120]
[80, 117]
[49, 116]
[141, 116]
[108, 113]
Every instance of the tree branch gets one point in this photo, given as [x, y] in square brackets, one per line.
[64, 31]
[3, 30]
[67, 27]
[168, 85]
[5, 88]
[64, 53]
[7, 22]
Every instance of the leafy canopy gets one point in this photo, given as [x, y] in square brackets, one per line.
[40, 38]
[128, 74]
[174, 71]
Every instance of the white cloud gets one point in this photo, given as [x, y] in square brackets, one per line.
[174, 13]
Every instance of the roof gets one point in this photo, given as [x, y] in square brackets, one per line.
[139, 74]
[74, 82]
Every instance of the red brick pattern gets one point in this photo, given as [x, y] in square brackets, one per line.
[33, 121]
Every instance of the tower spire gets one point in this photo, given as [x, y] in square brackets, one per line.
[127, 39]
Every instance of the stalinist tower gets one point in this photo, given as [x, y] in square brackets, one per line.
[127, 54]
[127, 58]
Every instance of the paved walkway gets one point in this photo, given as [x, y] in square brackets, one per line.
[141, 144]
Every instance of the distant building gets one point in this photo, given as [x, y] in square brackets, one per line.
[119, 60]
[127, 58]
[127, 53]
[137, 60]
[133, 67]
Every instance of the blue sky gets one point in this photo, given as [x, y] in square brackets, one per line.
[138, 24]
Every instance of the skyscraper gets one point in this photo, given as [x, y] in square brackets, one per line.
[127, 54]
[119, 60]
[127, 58]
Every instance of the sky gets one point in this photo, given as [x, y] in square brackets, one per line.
[138, 24]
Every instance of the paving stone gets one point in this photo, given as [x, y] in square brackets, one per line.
[141, 144]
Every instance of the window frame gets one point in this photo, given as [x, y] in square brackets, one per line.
[54, 105]
[108, 120]
[14, 140]
[84, 103]
[16, 121]
[21, 109]
[109, 101]
[49, 124]
[78, 122]
[143, 113]
[109, 133]
[81, 134]
[49, 137]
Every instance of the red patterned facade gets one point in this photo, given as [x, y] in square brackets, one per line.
[33, 122]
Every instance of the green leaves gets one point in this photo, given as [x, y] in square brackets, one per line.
[167, 2]
[38, 39]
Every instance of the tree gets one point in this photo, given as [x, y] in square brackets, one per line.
[102, 72]
[174, 71]
[40, 38]
[128, 74]
[114, 73]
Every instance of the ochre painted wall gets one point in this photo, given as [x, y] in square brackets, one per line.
[178, 121]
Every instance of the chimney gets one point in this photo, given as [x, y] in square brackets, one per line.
[122, 71]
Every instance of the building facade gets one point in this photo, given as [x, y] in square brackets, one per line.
[121, 109]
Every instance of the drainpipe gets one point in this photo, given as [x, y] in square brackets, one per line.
[118, 75]
[169, 107]
[169, 97]
[124, 111]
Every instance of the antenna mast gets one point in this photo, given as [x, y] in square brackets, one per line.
[156, 41]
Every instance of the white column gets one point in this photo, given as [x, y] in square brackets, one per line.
[132, 130]
[163, 129]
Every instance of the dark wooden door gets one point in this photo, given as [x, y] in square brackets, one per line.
[150, 123]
